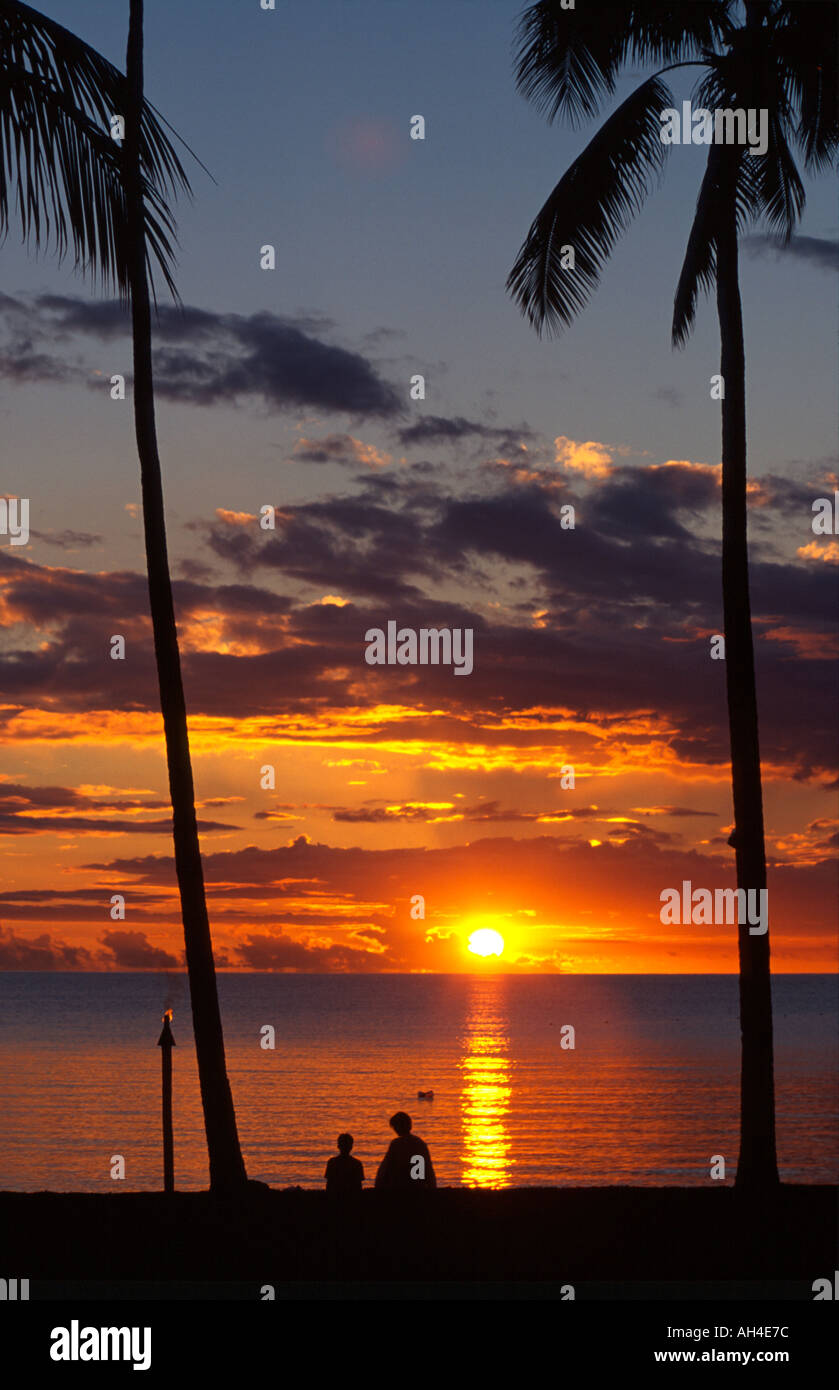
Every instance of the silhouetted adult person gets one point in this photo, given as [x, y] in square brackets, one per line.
[344, 1174]
[407, 1164]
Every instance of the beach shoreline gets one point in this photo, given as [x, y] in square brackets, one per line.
[456, 1234]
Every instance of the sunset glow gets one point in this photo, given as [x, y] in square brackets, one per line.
[579, 768]
[486, 942]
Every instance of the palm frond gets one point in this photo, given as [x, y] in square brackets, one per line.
[769, 186]
[660, 32]
[728, 174]
[699, 267]
[807, 34]
[60, 170]
[592, 204]
[567, 61]
[780, 190]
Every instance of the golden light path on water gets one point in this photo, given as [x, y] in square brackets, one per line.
[486, 1091]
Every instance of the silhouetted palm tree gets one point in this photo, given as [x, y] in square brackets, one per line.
[227, 1169]
[60, 170]
[71, 186]
[777, 56]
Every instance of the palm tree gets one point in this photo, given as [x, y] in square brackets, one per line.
[227, 1168]
[763, 54]
[71, 186]
[60, 170]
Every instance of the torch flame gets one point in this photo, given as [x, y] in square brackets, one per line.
[168, 1016]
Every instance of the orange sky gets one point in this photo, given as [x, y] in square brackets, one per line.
[380, 794]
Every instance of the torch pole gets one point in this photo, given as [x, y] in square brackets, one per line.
[167, 1042]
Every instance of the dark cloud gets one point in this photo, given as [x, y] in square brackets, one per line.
[84, 905]
[206, 358]
[26, 811]
[342, 543]
[66, 825]
[338, 448]
[131, 950]
[377, 813]
[626, 603]
[819, 251]
[377, 336]
[651, 502]
[41, 953]
[67, 539]
[24, 366]
[446, 429]
[669, 394]
[266, 951]
[335, 448]
[197, 570]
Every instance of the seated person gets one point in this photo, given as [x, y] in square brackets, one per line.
[344, 1174]
[407, 1164]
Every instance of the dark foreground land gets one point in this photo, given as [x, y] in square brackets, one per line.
[536, 1234]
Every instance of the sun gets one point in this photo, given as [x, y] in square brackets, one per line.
[486, 942]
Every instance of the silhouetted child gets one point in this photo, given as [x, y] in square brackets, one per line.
[407, 1164]
[344, 1174]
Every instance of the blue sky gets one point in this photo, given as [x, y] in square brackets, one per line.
[422, 247]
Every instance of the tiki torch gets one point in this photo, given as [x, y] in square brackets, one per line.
[167, 1042]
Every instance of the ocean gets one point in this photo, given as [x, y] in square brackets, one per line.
[648, 1094]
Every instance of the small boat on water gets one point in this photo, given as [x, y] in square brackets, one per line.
[425, 1095]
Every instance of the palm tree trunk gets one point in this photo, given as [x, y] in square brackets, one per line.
[227, 1169]
[757, 1167]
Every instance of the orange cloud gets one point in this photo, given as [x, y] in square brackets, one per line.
[827, 552]
[591, 459]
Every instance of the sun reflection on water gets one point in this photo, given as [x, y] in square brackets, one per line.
[485, 1096]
